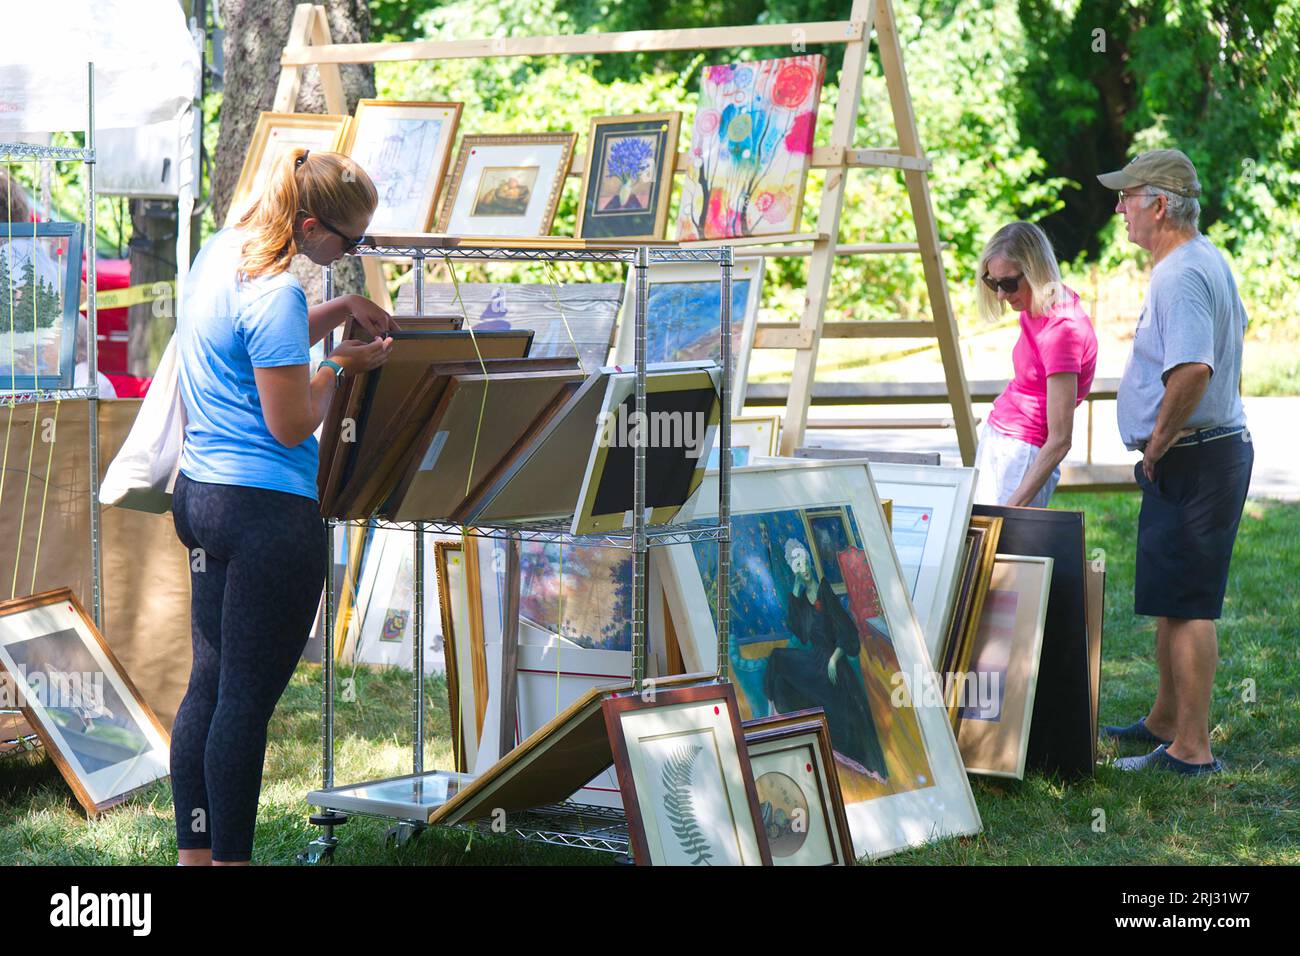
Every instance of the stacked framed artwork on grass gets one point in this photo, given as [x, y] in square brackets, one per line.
[628, 182]
[506, 186]
[276, 134]
[405, 148]
[40, 283]
[751, 148]
[684, 317]
[386, 603]
[816, 590]
[71, 689]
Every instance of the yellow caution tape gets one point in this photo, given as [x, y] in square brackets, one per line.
[134, 295]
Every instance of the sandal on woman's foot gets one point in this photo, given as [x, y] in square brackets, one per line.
[1161, 759]
[1134, 733]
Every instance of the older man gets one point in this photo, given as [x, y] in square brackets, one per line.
[1180, 405]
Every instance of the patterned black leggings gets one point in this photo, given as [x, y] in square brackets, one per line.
[255, 581]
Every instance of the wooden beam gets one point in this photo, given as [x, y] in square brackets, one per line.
[828, 220]
[815, 237]
[636, 41]
[781, 335]
[331, 79]
[882, 159]
[879, 423]
[850, 249]
[823, 157]
[879, 329]
[300, 30]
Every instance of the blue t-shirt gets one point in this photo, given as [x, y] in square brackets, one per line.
[226, 329]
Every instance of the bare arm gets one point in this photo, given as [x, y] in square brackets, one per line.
[1184, 388]
[1062, 396]
[330, 315]
[294, 402]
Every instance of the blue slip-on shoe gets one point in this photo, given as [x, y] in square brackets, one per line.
[1133, 733]
[1161, 759]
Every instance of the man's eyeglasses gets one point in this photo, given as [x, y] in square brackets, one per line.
[1008, 285]
[1125, 195]
[348, 242]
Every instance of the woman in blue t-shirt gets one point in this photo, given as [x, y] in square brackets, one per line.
[245, 499]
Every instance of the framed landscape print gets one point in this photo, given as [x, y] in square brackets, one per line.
[684, 318]
[684, 772]
[752, 437]
[506, 185]
[405, 148]
[276, 133]
[931, 512]
[816, 586]
[750, 148]
[40, 294]
[994, 734]
[98, 730]
[628, 181]
[799, 790]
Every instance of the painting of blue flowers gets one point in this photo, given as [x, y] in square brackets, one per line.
[629, 176]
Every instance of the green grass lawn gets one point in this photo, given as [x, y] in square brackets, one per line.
[1251, 814]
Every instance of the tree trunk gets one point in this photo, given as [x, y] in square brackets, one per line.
[153, 259]
[256, 32]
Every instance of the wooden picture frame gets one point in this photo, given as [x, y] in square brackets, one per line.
[405, 148]
[1096, 583]
[994, 735]
[454, 612]
[931, 512]
[657, 740]
[984, 533]
[387, 627]
[506, 186]
[684, 321]
[274, 134]
[105, 738]
[797, 747]
[630, 159]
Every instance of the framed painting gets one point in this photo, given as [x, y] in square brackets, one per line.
[460, 615]
[752, 437]
[750, 148]
[564, 319]
[684, 772]
[684, 319]
[387, 603]
[40, 294]
[506, 185]
[275, 134]
[799, 790]
[931, 512]
[994, 734]
[71, 689]
[405, 148]
[816, 590]
[983, 539]
[1096, 583]
[628, 182]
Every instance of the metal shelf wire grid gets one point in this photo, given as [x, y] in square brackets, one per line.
[29, 151]
[37, 395]
[551, 532]
[539, 254]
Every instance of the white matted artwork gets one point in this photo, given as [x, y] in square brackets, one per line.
[931, 512]
[506, 186]
[386, 603]
[405, 148]
[752, 437]
[684, 317]
[816, 586]
[276, 134]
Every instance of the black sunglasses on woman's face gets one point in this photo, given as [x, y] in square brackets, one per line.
[1008, 285]
[348, 242]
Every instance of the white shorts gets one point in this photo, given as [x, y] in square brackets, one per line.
[1003, 462]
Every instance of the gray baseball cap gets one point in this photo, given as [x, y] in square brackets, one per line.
[1166, 168]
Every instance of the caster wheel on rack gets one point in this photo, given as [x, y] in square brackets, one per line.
[401, 834]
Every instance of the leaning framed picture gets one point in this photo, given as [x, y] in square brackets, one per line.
[752, 437]
[40, 285]
[506, 185]
[628, 181]
[386, 603]
[684, 319]
[684, 772]
[276, 133]
[99, 731]
[405, 148]
[819, 617]
[931, 512]
[799, 790]
[994, 734]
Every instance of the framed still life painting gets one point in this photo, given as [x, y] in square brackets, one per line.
[684, 317]
[628, 181]
[799, 790]
[684, 772]
[40, 285]
[820, 617]
[506, 185]
[276, 133]
[750, 148]
[386, 603]
[405, 148]
[98, 730]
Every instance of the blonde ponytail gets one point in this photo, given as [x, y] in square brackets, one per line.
[327, 186]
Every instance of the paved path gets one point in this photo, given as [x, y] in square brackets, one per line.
[1274, 425]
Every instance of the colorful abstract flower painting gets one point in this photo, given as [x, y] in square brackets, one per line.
[751, 148]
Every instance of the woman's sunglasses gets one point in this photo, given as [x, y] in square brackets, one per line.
[1009, 285]
[348, 242]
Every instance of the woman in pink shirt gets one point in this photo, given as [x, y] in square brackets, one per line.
[1028, 433]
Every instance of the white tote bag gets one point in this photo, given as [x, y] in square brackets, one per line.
[144, 472]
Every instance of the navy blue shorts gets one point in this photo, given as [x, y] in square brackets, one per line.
[1188, 525]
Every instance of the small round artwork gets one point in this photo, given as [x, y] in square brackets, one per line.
[783, 805]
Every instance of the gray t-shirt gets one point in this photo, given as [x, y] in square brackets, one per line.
[1192, 314]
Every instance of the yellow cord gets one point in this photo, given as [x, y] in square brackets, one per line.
[482, 408]
[555, 284]
[40, 528]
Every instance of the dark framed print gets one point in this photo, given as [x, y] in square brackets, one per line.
[628, 181]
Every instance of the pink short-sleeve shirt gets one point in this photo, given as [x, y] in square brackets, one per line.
[1062, 340]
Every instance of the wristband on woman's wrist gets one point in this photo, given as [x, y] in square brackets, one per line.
[338, 370]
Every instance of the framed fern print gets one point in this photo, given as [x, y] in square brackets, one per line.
[687, 785]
